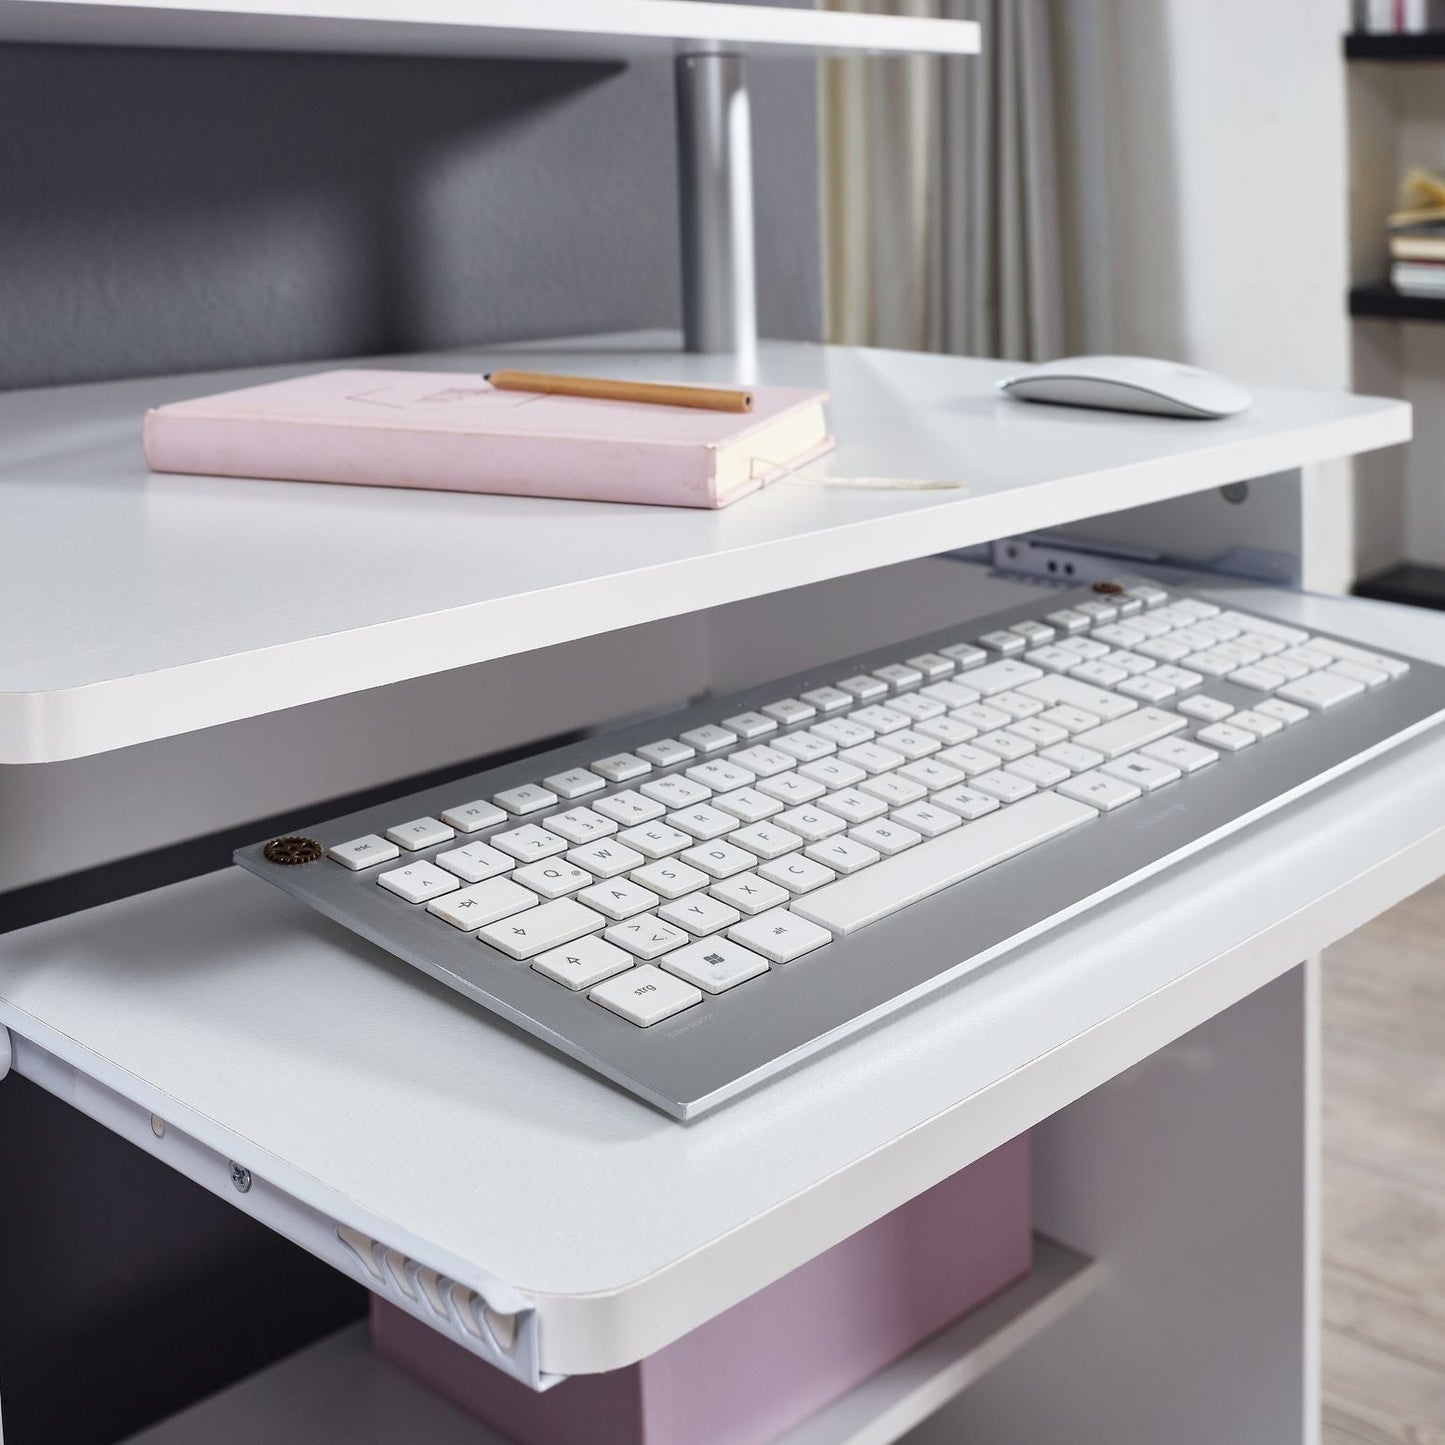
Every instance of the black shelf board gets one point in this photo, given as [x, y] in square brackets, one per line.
[1381, 299]
[1427, 46]
[1415, 583]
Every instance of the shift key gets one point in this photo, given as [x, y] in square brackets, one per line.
[525, 935]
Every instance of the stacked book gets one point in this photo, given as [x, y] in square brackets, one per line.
[1417, 238]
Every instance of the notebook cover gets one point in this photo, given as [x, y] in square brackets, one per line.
[452, 431]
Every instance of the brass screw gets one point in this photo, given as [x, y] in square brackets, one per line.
[292, 850]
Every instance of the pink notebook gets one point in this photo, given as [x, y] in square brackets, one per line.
[452, 431]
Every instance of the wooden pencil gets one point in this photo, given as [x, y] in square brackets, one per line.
[653, 393]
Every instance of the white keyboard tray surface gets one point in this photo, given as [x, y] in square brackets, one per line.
[357, 1093]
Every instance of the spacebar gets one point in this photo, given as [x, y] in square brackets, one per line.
[855, 902]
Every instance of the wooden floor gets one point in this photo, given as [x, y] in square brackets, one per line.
[1384, 1179]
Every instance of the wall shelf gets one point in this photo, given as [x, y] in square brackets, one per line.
[573, 30]
[261, 596]
[1427, 46]
[359, 1094]
[1382, 301]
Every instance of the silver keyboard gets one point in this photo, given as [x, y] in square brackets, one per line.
[690, 905]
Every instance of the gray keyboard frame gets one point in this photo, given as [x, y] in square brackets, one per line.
[734, 1041]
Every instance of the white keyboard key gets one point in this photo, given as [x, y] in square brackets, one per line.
[666, 752]
[827, 699]
[913, 745]
[1130, 662]
[968, 803]
[1036, 634]
[629, 808]
[1072, 757]
[420, 833]
[654, 840]
[554, 879]
[576, 783]
[842, 855]
[1212, 663]
[363, 852]
[1286, 712]
[1261, 724]
[947, 730]
[779, 934]
[927, 819]
[720, 775]
[1085, 648]
[790, 710]
[1016, 704]
[618, 898]
[1321, 690]
[893, 789]
[1100, 791]
[842, 731]
[1196, 607]
[833, 773]
[805, 747]
[1147, 688]
[470, 817]
[1039, 771]
[767, 840]
[703, 822]
[607, 859]
[1074, 693]
[931, 774]
[885, 835]
[1206, 709]
[1003, 642]
[1144, 772]
[529, 798]
[1237, 650]
[1147, 593]
[748, 805]
[1259, 678]
[789, 788]
[965, 654]
[482, 903]
[1260, 643]
[1177, 677]
[617, 768]
[749, 725]
[1069, 619]
[1005, 744]
[1125, 734]
[794, 873]
[812, 824]
[418, 882]
[1039, 731]
[698, 914]
[872, 758]
[854, 805]
[853, 903]
[1226, 737]
[1358, 672]
[709, 738]
[1007, 787]
[1149, 626]
[950, 694]
[881, 717]
[1052, 657]
[932, 665]
[1071, 719]
[645, 996]
[475, 862]
[899, 675]
[864, 687]
[529, 843]
[670, 878]
[917, 708]
[646, 936]
[763, 761]
[980, 716]
[1347, 652]
[1119, 634]
[719, 860]
[996, 676]
[1164, 649]
[1180, 753]
[1099, 611]
[1280, 630]
[581, 825]
[583, 963]
[749, 893]
[675, 792]
[1105, 674]
[550, 925]
[716, 966]
[969, 760]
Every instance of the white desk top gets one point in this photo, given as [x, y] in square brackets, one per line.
[388, 1103]
[605, 30]
[141, 606]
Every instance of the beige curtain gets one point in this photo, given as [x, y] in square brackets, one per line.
[941, 214]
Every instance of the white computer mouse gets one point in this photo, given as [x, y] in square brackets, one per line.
[1129, 383]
